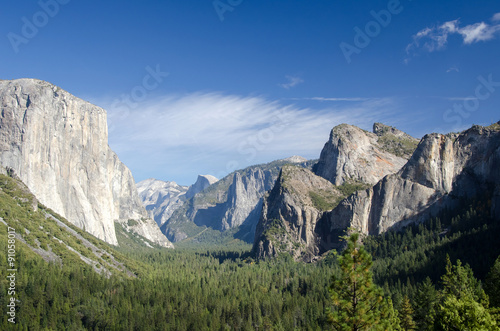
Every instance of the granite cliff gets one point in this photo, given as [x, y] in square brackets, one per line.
[290, 214]
[294, 212]
[58, 145]
[355, 155]
[162, 198]
[202, 182]
[232, 202]
[442, 171]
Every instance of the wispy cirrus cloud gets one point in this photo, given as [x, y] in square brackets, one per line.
[292, 81]
[179, 136]
[431, 39]
[355, 99]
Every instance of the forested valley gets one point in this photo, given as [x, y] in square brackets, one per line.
[416, 270]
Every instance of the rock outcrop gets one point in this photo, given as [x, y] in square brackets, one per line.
[355, 155]
[161, 198]
[201, 183]
[290, 213]
[443, 169]
[233, 201]
[58, 145]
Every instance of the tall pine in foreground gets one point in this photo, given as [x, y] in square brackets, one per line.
[358, 302]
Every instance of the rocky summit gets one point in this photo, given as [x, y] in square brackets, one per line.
[442, 171]
[290, 214]
[161, 198]
[304, 217]
[58, 145]
[201, 183]
[353, 154]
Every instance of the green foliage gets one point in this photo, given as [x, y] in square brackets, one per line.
[274, 228]
[323, 200]
[494, 126]
[349, 187]
[419, 251]
[463, 314]
[406, 315]
[426, 299]
[132, 222]
[464, 305]
[207, 289]
[358, 303]
[399, 146]
[175, 290]
[492, 284]
[459, 281]
[49, 233]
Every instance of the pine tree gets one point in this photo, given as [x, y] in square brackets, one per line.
[492, 284]
[358, 302]
[425, 300]
[460, 282]
[464, 305]
[406, 315]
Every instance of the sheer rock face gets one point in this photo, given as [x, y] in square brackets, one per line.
[58, 146]
[290, 215]
[233, 201]
[161, 198]
[245, 196]
[352, 154]
[201, 183]
[443, 169]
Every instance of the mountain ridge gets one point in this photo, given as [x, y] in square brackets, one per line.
[442, 170]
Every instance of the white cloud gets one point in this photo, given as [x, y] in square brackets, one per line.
[217, 133]
[479, 32]
[433, 39]
[292, 82]
[333, 99]
[460, 98]
[453, 69]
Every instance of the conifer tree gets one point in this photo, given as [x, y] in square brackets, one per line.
[426, 299]
[492, 284]
[464, 304]
[406, 315]
[358, 302]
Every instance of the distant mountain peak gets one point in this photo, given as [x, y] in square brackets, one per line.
[201, 183]
[295, 159]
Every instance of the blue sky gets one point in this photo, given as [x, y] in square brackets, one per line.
[207, 87]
